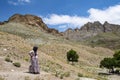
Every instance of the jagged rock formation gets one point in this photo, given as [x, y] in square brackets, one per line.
[31, 20]
[89, 30]
[86, 31]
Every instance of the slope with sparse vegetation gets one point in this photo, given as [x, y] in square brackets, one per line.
[17, 39]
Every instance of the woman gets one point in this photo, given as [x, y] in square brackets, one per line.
[34, 68]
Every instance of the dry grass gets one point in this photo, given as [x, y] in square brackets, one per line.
[17, 40]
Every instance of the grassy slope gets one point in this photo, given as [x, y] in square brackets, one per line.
[108, 40]
[18, 39]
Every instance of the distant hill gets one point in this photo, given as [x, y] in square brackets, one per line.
[31, 20]
[97, 34]
[93, 34]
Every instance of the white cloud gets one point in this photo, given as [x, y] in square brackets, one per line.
[13, 3]
[26, 1]
[55, 19]
[18, 2]
[110, 14]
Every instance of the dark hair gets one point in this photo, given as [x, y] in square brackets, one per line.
[35, 48]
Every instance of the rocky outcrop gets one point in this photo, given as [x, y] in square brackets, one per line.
[90, 29]
[29, 19]
[32, 20]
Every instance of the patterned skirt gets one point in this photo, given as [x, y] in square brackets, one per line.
[34, 67]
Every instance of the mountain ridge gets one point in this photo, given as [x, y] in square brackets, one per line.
[32, 20]
[90, 29]
[92, 33]
[29, 19]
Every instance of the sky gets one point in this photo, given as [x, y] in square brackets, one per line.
[64, 14]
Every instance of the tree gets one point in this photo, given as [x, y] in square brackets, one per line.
[108, 63]
[72, 56]
[116, 56]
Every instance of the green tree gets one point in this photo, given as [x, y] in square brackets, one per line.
[116, 56]
[108, 63]
[72, 56]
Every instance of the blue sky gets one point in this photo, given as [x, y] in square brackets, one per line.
[63, 14]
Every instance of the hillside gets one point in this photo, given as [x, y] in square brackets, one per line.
[96, 34]
[18, 38]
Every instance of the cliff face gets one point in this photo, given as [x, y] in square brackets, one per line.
[31, 20]
[89, 30]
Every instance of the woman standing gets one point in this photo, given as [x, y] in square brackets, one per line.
[34, 67]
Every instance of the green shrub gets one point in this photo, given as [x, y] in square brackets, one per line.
[8, 59]
[80, 75]
[17, 64]
[26, 59]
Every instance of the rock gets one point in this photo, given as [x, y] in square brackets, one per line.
[12, 70]
[32, 20]
[89, 30]
[5, 49]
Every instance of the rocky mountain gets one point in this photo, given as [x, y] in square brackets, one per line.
[18, 36]
[96, 34]
[89, 30]
[31, 20]
[91, 33]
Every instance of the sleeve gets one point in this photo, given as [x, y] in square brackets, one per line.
[31, 53]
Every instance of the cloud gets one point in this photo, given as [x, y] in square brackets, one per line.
[26, 1]
[18, 2]
[13, 3]
[110, 14]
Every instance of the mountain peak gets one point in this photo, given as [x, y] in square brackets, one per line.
[31, 20]
[90, 29]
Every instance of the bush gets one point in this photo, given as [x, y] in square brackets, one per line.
[8, 59]
[26, 59]
[80, 75]
[72, 56]
[17, 64]
[109, 63]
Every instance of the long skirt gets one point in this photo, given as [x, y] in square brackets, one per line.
[34, 67]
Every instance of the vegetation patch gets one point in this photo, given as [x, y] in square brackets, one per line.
[111, 63]
[7, 59]
[80, 75]
[17, 64]
[72, 56]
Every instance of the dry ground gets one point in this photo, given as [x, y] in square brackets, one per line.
[52, 55]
